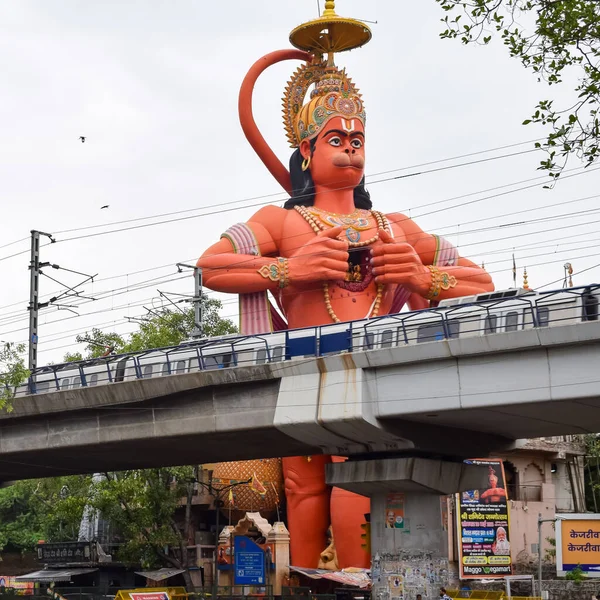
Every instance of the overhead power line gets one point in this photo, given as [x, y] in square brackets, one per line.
[283, 196]
[144, 284]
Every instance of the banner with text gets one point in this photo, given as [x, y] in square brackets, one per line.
[483, 524]
[578, 544]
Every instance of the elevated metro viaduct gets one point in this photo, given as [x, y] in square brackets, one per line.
[405, 416]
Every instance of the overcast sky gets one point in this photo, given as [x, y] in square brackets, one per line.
[153, 86]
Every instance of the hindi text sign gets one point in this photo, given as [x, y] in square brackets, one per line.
[578, 544]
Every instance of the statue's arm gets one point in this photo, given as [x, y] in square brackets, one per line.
[323, 258]
[470, 278]
[225, 271]
[407, 263]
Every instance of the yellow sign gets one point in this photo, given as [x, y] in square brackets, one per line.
[578, 544]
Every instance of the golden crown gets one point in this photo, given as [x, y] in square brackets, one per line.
[334, 96]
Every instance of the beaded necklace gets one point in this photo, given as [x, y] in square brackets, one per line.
[351, 221]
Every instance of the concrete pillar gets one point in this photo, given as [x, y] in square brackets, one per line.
[409, 539]
[409, 557]
[279, 537]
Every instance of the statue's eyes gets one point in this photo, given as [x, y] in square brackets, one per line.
[335, 141]
[356, 143]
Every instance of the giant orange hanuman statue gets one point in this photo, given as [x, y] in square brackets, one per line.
[326, 256]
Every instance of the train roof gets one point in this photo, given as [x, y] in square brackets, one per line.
[488, 296]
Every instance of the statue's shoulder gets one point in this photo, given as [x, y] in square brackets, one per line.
[396, 217]
[271, 217]
[400, 222]
[270, 220]
[405, 222]
[268, 213]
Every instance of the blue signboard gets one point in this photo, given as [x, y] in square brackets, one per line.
[249, 562]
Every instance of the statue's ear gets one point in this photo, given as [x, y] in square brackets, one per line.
[305, 149]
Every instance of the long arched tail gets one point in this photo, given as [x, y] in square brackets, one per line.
[253, 135]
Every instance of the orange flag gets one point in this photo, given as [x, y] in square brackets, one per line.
[257, 486]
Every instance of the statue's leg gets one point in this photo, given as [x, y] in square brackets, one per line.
[347, 515]
[308, 499]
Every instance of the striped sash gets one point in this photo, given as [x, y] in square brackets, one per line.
[257, 314]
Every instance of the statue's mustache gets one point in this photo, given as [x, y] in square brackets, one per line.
[348, 160]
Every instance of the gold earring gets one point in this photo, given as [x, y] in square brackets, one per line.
[306, 163]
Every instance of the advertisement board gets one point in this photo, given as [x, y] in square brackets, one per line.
[21, 587]
[578, 544]
[483, 524]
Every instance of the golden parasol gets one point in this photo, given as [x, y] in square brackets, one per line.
[330, 33]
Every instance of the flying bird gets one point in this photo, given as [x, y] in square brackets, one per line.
[82, 138]
[105, 206]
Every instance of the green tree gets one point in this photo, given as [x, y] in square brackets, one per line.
[45, 509]
[142, 505]
[12, 372]
[592, 471]
[162, 328]
[555, 39]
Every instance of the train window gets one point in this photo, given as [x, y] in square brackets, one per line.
[277, 353]
[120, 370]
[42, 387]
[453, 328]
[165, 369]
[94, 379]
[491, 324]
[387, 338]
[194, 364]
[261, 356]
[180, 366]
[76, 382]
[430, 333]
[590, 306]
[65, 383]
[511, 321]
[148, 370]
[217, 361]
[369, 341]
[543, 316]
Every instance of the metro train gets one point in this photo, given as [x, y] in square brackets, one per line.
[484, 314]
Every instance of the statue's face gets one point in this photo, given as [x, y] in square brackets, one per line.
[338, 159]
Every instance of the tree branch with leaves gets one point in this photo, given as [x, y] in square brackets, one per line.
[142, 506]
[162, 328]
[554, 39]
[12, 372]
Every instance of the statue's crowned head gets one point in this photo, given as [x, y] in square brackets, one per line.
[334, 95]
[328, 132]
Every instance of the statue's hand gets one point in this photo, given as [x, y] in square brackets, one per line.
[324, 258]
[397, 262]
